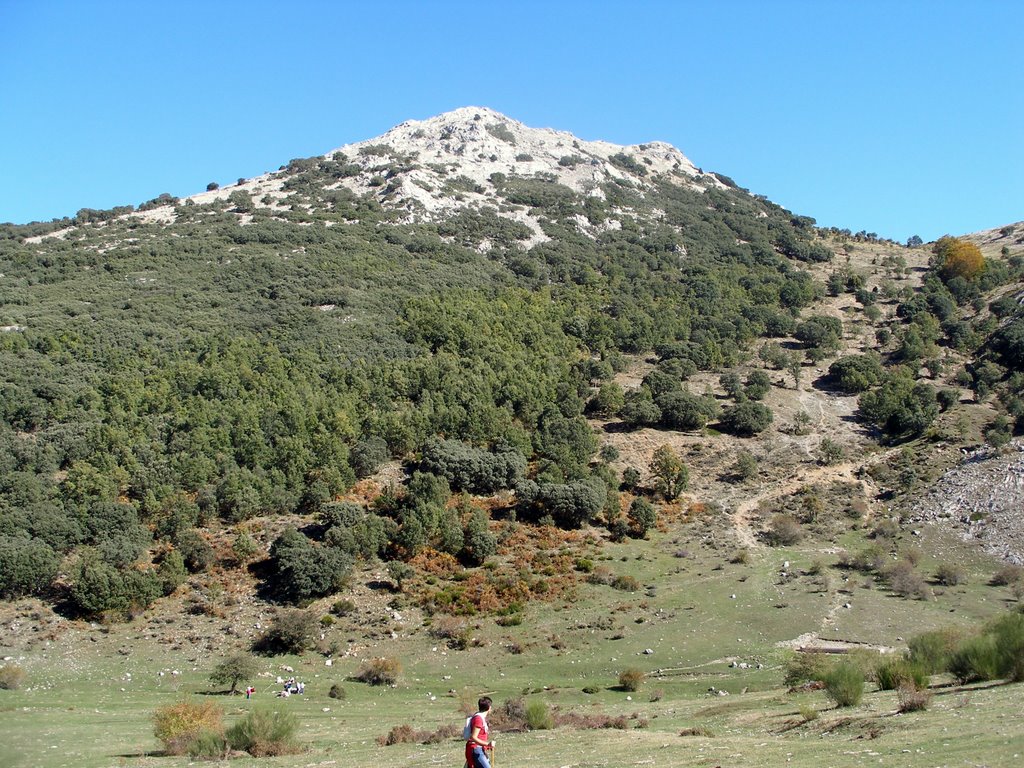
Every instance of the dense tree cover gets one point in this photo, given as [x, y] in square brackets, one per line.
[477, 470]
[159, 377]
[568, 505]
[27, 566]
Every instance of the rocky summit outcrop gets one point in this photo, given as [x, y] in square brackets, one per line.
[983, 499]
[430, 170]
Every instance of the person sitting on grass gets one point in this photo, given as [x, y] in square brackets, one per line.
[479, 742]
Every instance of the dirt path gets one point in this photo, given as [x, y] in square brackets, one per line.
[847, 471]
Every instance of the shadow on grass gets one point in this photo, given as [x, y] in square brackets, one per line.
[144, 754]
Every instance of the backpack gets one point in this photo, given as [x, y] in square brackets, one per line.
[467, 729]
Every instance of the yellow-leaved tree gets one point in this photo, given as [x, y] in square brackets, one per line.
[957, 258]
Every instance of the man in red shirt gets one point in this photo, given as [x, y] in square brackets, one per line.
[479, 743]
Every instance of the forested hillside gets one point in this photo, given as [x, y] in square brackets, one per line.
[252, 352]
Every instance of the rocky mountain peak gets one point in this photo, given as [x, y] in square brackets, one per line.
[455, 160]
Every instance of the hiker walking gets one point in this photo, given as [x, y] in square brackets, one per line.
[479, 743]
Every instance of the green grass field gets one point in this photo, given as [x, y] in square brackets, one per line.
[90, 695]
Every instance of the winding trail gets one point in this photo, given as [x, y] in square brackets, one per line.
[742, 524]
[846, 471]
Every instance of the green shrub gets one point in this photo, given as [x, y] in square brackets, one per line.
[343, 607]
[337, 692]
[12, 677]
[856, 373]
[181, 724]
[642, 517]
[380, 671]
[630, 679]
[808, 713]
[844, 684]
[265, 733]
[207, 744]
[892, 674]
[747, 419]
[931, 650]
[745, 467]
[292, 630]
[625, 583]
[975, 659]
[806, 668]
[244, 547]
[538, 716]
[195, 550]
[303, 571]
[1008, 633]
[100, 588]
[171, 571]
[478, 541]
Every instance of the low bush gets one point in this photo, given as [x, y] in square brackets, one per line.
[292, 631]
[949, 575]
[893, 674]
[12, 677]
[630, 679]
[808, 713]
[451, 628]
[179, 726]
[904, 581]
[698, 730]
[380, 671]
[538, 716]
[402, 734]
[509, 716]
[265, 733]
[1008, 632]
[784, 531]
[931, 650]
[844, 684]
[343, 607]
[1007, 576]
[807, 668]
[975, 659]
[208, 745]
[625, 583]
[337, 692]
[912, 699]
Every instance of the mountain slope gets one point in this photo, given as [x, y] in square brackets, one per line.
[461, 292]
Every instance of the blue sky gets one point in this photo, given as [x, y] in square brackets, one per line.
[896, 117]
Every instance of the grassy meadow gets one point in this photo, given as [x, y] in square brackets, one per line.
[701, 610]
